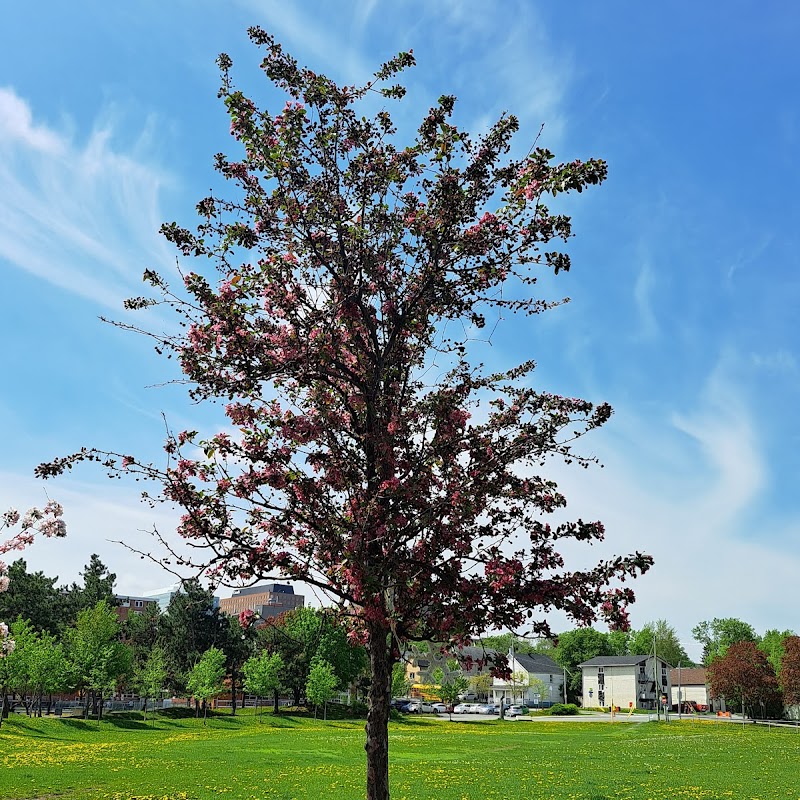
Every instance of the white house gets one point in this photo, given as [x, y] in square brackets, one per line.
[689, 683]
[625, 682]
[535, 680]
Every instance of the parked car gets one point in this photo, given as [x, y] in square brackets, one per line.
[420, 707]
[465, 708]
[516, 711]
[487, 708]
[439, 708]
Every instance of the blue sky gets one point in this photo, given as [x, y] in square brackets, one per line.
[684, 284]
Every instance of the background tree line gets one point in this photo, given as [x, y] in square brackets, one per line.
[69, 639]
[763, 671]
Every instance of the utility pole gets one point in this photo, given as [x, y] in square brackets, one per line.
[680, 693]
[655, 682]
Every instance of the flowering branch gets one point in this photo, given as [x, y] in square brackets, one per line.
[47, 522]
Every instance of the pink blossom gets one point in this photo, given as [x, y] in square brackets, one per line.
[247, 618]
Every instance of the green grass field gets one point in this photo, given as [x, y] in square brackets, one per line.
[294, 757]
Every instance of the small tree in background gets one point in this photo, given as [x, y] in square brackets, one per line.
[262, 675]
[149, 677]
[450, 685]
[321, 685]
[745, 678]
[206, 677]
[790, 671]
[401, 685]
[49, 523]
[537, 687]
[354, 273]
[98, 658]
[481, 684]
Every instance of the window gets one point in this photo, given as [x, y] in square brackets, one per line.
[138, 604]
[551, 679]
[601, 698]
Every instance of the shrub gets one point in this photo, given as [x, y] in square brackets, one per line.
[563, 709]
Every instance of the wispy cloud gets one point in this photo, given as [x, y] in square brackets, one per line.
[98, 515]
[690, 489]
[750, 255]
[777, 361]
[642, 293]
[326, 44]
[81, 216]
[16, 125]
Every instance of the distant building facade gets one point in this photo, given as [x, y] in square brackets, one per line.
[536, 680]
[164, 596]
[689, 685]
[268, 601]
[625, 681]
[126, 606]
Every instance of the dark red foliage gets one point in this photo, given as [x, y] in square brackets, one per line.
[790, 670]
[744, 676]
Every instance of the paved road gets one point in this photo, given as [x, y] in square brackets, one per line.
[584, 716]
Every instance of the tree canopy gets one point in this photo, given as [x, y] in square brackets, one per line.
[744, 676]
[339, 290]
[667, 644]
[33, 596]
[790, 670]
[719, 634]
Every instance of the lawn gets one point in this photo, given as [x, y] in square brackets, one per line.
[294, 757]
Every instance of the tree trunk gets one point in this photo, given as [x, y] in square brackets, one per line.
[275, 707]
[377, 728]
[233, 692]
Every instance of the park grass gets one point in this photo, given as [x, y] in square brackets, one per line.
[288, 757]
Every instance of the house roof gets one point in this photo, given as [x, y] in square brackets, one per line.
[537, 662]
[615, 661]
[694, 676]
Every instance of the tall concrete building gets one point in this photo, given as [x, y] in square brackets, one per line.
[268, 600]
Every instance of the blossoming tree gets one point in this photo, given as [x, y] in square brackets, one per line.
[47, 522]
[369, 456]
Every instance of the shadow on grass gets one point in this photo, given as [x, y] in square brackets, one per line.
[80, 724]
[128, 720]
[179, 712]
[30, 728]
